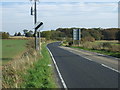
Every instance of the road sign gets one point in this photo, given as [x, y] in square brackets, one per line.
[38, 24]
[76, 34]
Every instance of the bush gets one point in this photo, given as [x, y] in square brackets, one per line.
[106, 45]
[88, 38]
[87, 45]
[5, 35]
[115, 48]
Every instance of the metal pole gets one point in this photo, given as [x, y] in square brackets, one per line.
[35, 21]
[39, 41]
[79, 36]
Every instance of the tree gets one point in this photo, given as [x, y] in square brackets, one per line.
[46, 34]
[5, 35]
[25, 31]
[88, 38]
[31, 32]
[109, 34]
[15, 34]
[28, 34]
[118, 35]
[8, 33]
[19, 34]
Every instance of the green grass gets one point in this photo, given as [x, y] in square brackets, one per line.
[12, 48]
[114, 54]
[41, 75]
[113, 42]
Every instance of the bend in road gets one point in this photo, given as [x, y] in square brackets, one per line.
[79, 72]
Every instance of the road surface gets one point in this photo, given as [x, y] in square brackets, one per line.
[79, 72]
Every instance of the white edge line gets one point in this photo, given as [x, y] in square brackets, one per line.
[82, 56]
[110, 68]
[99, 63]
[63, 82]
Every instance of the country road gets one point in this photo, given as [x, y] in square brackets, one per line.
[79, 72]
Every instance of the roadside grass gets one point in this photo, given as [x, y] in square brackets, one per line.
[12, 49]
[114, 54]
[106, 47]
[113, 42]
[41, 74]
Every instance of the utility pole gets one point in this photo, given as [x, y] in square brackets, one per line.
[35, 21]
[36, 24]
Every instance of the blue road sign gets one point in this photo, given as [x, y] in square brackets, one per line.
[76, 34]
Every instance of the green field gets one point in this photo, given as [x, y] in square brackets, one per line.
[12, 49]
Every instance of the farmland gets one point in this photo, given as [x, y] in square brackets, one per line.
[106, 47]
[12, 49]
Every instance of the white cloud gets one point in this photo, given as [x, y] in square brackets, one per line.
[16, 16]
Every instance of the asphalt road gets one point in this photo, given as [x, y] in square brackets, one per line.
[78, 72]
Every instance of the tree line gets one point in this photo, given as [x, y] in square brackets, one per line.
[91, 33]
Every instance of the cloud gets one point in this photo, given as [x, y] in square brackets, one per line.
[59, 13]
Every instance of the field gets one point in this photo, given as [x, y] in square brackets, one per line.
[106, 47]
[113, 42]
[12, 49]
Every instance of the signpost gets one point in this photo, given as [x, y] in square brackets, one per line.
[76, 35]
[37, 42]
[37, 24]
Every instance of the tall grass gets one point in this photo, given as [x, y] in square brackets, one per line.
[106, 48]
[41, 75]
[13, 71]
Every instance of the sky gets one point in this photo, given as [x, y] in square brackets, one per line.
[15, 14]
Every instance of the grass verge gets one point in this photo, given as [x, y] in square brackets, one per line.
[114, 54]
[41, 75]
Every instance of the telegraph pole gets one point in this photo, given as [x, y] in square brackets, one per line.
[35, 21]
[36, 24]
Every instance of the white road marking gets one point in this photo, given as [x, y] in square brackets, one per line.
[63, 82]
[82, 56]
[110, 68]
[98, 63]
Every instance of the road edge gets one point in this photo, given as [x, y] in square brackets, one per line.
[58, 71]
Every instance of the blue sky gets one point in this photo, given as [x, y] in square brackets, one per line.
[15, 14]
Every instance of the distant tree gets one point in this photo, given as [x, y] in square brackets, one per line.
[15, 34]
[25, 31]
[46, 34]
[31, 31]
[5, 35]
[118, 35]
[85, 33]
[109, 34]
[95, 33]
[88, 38]
[19, 34]
[28, 34]
[8, 33]
[67, 31]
